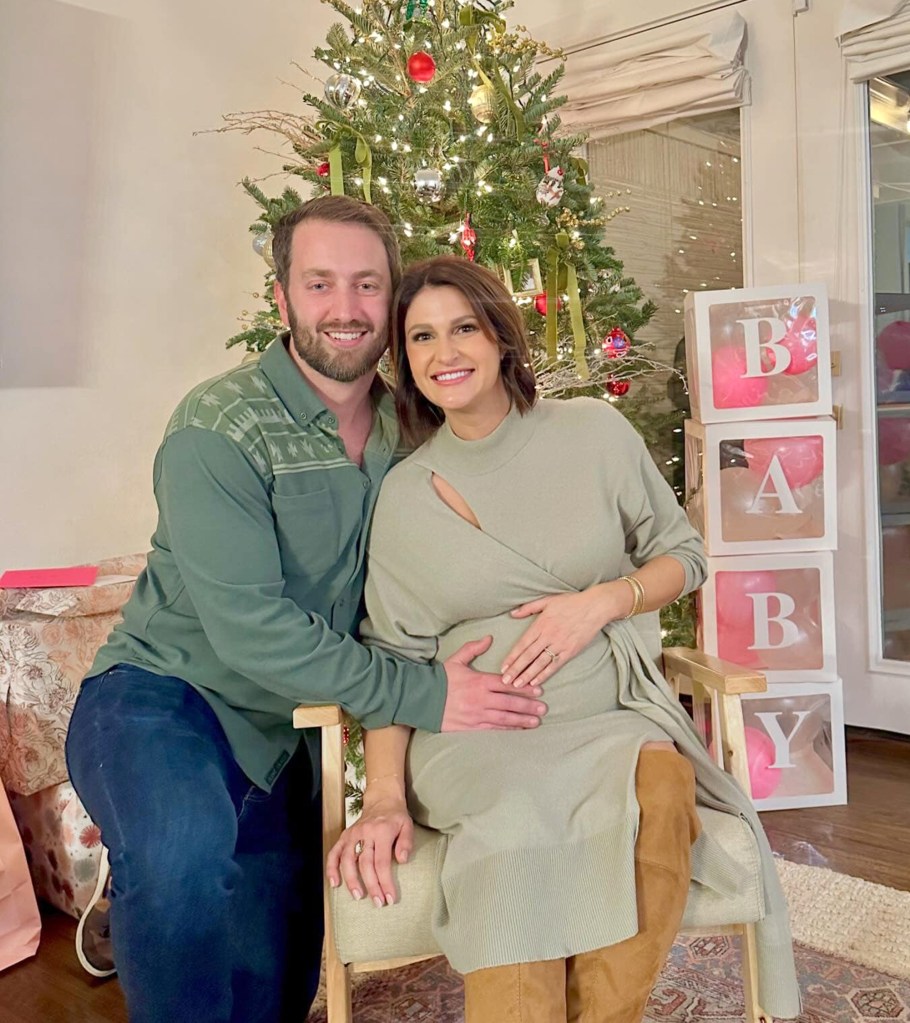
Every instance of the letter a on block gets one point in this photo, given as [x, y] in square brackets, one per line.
[774, 484]
[754, 345]
[762, 618]
[781, 742]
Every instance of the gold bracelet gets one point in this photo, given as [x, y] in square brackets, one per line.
[638, 590]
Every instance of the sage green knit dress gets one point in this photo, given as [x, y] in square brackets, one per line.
[541, 823]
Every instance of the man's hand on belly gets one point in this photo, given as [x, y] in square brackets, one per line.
[479, 700]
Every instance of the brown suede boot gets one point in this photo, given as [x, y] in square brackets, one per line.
[612, 985]
[523, 993]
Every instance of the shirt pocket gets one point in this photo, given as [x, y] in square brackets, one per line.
[307, 530]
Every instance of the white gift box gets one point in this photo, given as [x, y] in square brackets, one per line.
[773, 613]
[753, 487]
[795, 744]
[758, 353]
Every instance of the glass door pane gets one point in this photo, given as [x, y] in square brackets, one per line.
[678, 190]
[889, 133]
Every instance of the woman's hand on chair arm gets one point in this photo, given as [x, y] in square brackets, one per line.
[386, 830]
[385, 827]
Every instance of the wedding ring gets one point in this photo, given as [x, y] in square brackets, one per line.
[358, 848]
[553, 657]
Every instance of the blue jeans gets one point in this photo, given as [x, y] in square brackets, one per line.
[216, 888]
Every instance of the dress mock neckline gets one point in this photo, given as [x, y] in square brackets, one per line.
[478, 457]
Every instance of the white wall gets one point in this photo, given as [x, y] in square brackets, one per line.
[126, 257]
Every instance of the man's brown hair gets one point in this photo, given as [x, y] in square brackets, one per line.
[334, 209]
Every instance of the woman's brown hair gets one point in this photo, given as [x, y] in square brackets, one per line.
[499, 317]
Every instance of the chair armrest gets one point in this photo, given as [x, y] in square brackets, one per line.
[317, 717]
[711, 672]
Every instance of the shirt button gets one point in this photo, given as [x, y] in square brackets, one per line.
[332, 421]
[366, 485]
[303, 416]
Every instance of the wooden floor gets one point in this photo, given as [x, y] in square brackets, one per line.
[869, 838]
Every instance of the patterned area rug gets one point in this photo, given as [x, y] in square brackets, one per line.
[701, 982]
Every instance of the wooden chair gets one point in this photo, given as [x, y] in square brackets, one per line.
[360, 939]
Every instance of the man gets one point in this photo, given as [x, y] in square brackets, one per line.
[181, 744]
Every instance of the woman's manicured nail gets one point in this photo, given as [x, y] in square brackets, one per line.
[378, 902]
[357, 893]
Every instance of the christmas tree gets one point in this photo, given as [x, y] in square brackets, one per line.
[448, 120]
[439, 114]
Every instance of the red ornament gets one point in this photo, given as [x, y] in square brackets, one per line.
[618, 387]
[323, 170]
[421, 67]
[616, 344]
[468, 238]
[540, 303]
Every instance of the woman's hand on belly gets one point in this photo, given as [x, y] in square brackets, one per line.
[362, 857]
[564, 624]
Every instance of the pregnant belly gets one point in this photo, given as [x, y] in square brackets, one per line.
[584, 686]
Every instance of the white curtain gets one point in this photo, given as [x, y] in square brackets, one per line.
[693, 70]
[875, 37]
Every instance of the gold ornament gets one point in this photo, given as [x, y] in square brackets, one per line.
[482, 102]
[262, 245]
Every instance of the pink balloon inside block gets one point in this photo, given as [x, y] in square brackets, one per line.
[894, 344]
[801, 341]
[734, 641]
[732, 388]
[801, 458]
[893, 440]
[735, 608]
[760, 754]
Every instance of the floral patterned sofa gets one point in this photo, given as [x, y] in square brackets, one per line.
[48, 639]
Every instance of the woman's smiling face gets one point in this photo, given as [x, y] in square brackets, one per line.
[454, 361]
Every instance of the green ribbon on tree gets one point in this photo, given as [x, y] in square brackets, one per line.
[412, 4]
[474, 16]
[581, 169]
[552, 300]
[500, 87]
[578, 324]
[336, 170]
[557, 265]
[364, 157]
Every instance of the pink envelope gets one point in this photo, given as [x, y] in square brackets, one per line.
[42, 578]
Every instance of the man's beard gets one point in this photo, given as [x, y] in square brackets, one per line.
[337, 364]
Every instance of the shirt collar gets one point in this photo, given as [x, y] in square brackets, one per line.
[302, 401]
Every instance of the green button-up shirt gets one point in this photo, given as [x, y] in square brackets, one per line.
[255, 578]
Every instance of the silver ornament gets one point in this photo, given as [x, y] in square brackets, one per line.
[262, 246]
[342, 90]
[550, 189]
[428, 185]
